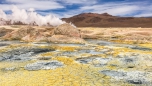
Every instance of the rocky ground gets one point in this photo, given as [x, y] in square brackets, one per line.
[126, 35]
[95, 63]
[110, 60]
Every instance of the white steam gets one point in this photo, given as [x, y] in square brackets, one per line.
[30, 17]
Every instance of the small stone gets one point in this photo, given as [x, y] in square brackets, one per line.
[135, 81]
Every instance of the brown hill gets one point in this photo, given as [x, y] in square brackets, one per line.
[107, 20]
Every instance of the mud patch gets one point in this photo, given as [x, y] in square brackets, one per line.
[2, 44]
[135, 47]
[133, 77]
[22, 54]
[96, 61]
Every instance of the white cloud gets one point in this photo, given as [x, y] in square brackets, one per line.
[84, 2]
[125, 8]
[144, 15]
[5, 7]
[37, 4]
[119, 8]
[113, 8]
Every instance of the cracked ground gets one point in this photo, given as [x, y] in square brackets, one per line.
[97, 63]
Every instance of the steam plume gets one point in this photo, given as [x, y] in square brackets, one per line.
[29, 17]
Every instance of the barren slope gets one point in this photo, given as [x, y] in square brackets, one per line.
[106, 20]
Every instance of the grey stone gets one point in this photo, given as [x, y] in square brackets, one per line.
[44, 58]
[135, 81]
[9, 69]
[129, 59]
[133, 77]
[96, 61]
[99, 62]
[44, 65]
[113, 73]
[141, 48]
[84, 60]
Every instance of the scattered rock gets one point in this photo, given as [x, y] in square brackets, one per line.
[96, 61]
[84, 60]
[44, 58]
[67, 30]
[135, 81]
[129, 60]
[9, 69]
[114, 74]
[99, 62]
[44, 65]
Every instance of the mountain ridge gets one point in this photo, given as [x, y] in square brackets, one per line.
[107, 20]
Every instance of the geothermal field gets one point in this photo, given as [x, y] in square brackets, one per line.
[46, 51]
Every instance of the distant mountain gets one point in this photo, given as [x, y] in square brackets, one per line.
[107, 20]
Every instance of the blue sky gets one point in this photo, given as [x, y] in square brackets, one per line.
[68, 8]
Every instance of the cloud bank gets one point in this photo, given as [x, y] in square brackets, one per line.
[68, 8]
[30, 17]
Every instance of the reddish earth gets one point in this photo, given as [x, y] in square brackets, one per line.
[107, 20]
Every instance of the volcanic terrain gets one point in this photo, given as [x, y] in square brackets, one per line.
[107, 20]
